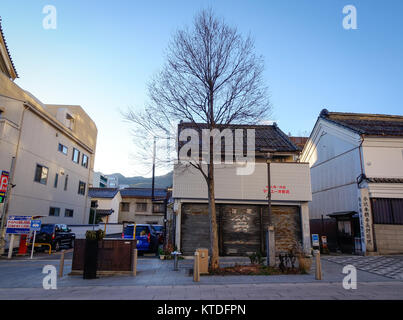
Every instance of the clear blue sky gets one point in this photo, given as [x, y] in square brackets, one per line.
[103, 53]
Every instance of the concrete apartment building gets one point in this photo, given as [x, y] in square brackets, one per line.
[137, 206]
[241, 200]
[356, 163]
[99, 180]
[53, 147]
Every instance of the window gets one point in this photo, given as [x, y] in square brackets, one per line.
[76, 155]
[41, 174]
[81, 188]
[62, 148]
[84, 161]
[54, 212]
[125, 206]
[56, 180]
[66, 181]
[68, 213]
[142, 207]
[158, 208]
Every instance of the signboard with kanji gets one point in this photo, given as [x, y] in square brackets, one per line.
[365, 215]
[18, 225]
[3, 185]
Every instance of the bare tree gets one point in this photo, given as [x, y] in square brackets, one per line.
[211, 78]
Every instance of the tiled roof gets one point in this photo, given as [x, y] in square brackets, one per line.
[142, 193]
[267, 137]
[104, 212]
[367, 124]
[385, 180]
[102, 192]
[8, 52]
[299, 141]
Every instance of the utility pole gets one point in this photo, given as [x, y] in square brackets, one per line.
[5, 207]
[270, 239]
[153, 179]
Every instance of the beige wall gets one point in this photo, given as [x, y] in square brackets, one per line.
[389, 238]
[30, 132]
[189, 183]
[107, 203]
[139, 216]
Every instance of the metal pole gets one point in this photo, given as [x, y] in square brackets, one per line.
[10, 248]
[153, 179]
[134, 270]
[33, 245]
[5, 207]
[61, 265]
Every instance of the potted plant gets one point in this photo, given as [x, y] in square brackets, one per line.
[91, 253]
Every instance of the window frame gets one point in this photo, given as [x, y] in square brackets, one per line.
[54, 215]
[82, 161]
[80, 184]
[61, 147]
[141, 203]
[78, 155]
[70, 210]
[40, 179]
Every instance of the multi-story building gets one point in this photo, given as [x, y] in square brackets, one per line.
[113, 181]
[356, 163]
[99, 180]
[241, 199]
[138, 206]
[49, 150]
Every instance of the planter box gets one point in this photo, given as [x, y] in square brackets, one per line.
[114, 256]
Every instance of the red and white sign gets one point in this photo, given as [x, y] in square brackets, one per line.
[3, 181]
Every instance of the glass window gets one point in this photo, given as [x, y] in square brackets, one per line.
[47, 228]
[68, 213]
[125, 206]
[76, 155]
[56, 180]
[158, 208]
[66, 181]
[84, 162]
[63, 149]
[81, 188]
[142, 207]
[54, 212]
[41, 174]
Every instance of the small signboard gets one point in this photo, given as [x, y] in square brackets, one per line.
[315, 240]
[36, 225]
[18, 225]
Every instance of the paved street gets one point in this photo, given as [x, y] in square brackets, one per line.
[156, 279]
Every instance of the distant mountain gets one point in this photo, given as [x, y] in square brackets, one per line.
[141, 182]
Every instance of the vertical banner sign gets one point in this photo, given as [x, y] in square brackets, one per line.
[365, 214]
[3, 185]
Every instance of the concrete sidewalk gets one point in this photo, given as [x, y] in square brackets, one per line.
[156, 279]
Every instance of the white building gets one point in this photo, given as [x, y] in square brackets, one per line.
[52, 148]
[241, 200]
[99, 180]
[356, 163]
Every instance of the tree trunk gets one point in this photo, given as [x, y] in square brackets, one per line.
[214, 263]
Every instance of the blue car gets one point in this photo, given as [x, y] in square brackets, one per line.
[147, 238]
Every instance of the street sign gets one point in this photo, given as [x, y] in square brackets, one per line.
[18, 225]
[315, 240]
[36, 225]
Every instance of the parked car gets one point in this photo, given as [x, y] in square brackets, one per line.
[147, 238]
[159, 231]
[57, 235]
